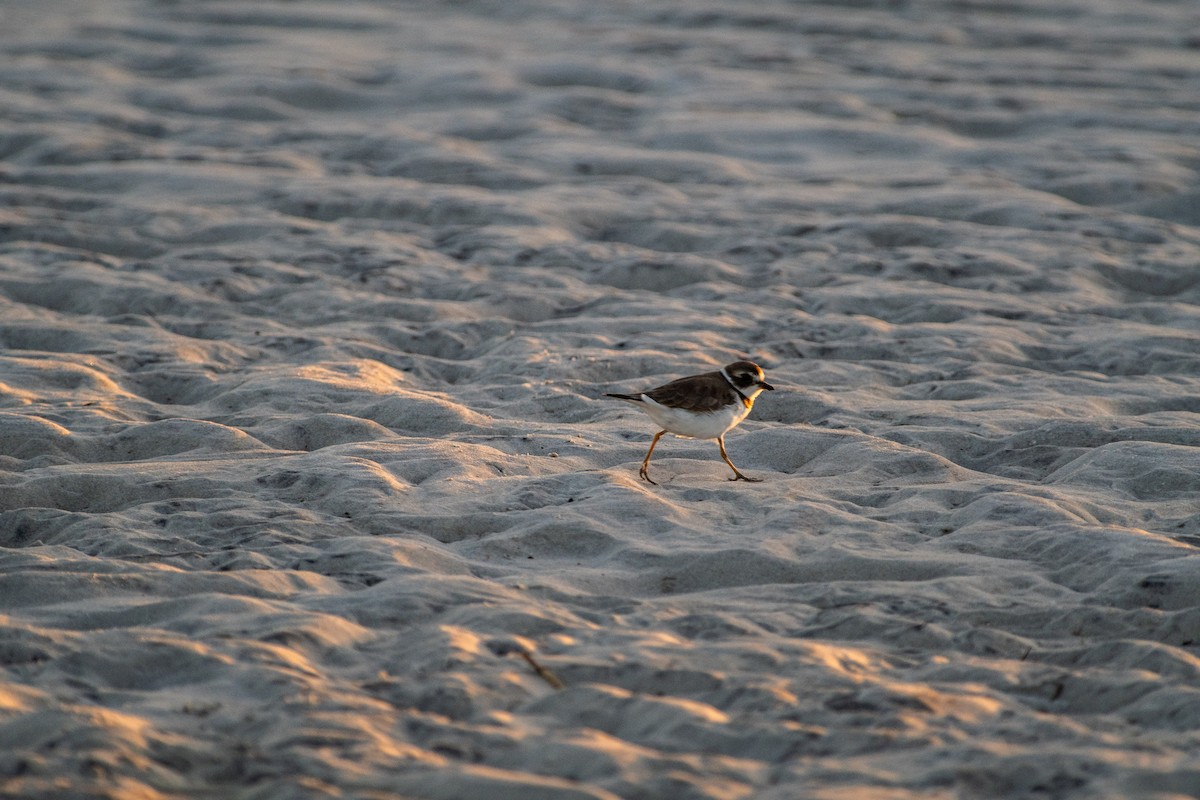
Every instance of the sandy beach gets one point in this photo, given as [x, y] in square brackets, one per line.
[309, 487]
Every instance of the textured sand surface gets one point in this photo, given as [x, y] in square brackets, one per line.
[307, 313]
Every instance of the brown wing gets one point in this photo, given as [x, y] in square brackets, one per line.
[707, 392]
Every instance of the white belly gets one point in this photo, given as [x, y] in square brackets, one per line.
[709, 425]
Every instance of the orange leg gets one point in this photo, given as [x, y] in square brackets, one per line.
[644, 473]
[737, 476]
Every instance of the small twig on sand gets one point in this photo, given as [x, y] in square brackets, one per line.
[543, 673]
[506, 647]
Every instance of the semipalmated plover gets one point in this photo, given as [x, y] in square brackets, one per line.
[702, 407]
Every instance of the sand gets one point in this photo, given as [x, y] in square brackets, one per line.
[308, 483]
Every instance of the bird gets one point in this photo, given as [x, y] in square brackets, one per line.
[705, 406]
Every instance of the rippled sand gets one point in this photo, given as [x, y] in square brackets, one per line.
[308, 483]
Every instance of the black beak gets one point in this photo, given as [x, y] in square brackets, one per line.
[766, 386]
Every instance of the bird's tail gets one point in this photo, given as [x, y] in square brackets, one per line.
[631, 398]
